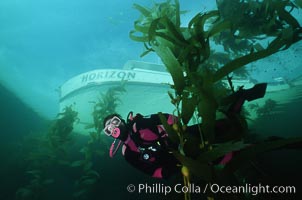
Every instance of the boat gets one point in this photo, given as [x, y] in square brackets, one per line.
[146, 87]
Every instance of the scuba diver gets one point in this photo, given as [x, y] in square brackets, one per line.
[146, 145]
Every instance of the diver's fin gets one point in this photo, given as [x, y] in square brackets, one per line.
[256, 92]
[237, 99]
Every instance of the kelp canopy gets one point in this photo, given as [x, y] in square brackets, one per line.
[188, 53]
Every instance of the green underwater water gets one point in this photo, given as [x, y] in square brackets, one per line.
[44, 159]
[281, 167]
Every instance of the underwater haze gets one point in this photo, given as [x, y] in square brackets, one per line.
[44, 43]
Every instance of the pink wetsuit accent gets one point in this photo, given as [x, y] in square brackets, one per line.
[157, 173]
[171, 119]
[131, 145]
[227, 158]
[148, 135]
[134, 128]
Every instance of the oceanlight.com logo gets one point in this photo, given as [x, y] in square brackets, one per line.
[159, 188]
[251, 189]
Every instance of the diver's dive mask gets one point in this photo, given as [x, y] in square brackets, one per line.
[112, 127]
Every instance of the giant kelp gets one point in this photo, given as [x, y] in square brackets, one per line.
[241, 27]
[53, 150]
[48, 151]
[107, 104]
[59, 135]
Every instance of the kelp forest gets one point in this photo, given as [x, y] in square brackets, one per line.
[60, 150]
[247, 31]
[202, 57]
